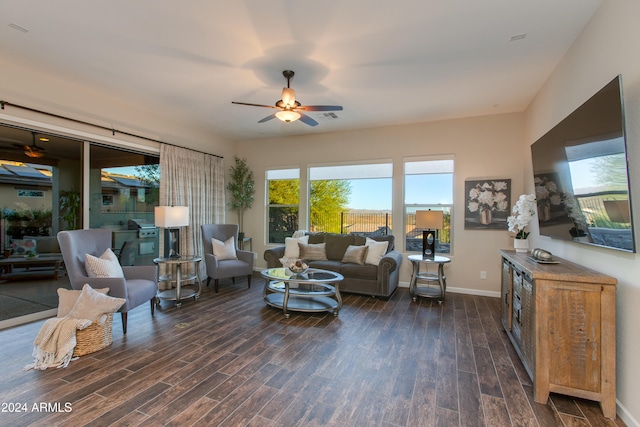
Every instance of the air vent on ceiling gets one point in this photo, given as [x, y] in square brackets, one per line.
[328, 116]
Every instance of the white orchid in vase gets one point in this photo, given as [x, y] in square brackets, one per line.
[525, 209]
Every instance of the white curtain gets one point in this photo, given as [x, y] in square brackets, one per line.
[193, 179]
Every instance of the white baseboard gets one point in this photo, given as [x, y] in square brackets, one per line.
[625, 416]
[493, 294]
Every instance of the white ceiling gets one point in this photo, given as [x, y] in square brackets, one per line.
[386, 62]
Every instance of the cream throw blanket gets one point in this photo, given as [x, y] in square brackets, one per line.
[53, 347]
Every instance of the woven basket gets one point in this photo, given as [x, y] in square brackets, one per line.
[94, 338]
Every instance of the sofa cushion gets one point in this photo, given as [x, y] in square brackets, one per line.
[291, 248]
[46, 244]
[337, 244]
[23, 246]
[355, 254]
[376, 251]
[367, 271]
[312, 252]
[390, 238]
[327, 264]
[315, 238]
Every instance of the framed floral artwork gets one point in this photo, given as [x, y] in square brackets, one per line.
[488, 204]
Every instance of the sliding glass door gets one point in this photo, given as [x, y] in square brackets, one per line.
[50, 183]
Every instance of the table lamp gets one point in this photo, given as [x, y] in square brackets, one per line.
[430, 222]
[172, 218]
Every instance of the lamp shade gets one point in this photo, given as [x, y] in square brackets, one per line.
[171, 216]
[430, 220]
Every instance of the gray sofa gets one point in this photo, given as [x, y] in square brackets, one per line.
[372, 280]
[42, 245]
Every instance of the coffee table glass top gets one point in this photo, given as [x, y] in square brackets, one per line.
[312, 275]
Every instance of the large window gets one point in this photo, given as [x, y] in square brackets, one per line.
[283, 197]
[351, 198]
[428, 184]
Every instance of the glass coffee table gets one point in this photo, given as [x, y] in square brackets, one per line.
[315, 290]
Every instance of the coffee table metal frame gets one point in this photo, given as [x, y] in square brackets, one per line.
[315, 290]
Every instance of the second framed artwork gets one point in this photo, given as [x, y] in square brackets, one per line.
[488, 204]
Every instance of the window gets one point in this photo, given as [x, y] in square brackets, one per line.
[428, 184]
[283, 186]
[351, 198]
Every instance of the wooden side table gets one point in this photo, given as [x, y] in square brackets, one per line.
[178, 293]
[426, 278]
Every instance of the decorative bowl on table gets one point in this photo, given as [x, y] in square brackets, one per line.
[296, 266]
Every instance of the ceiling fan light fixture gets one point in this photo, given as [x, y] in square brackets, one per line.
[33, 154]
[288, 115]
[288, 97]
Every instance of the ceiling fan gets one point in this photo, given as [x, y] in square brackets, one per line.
[32, 150]
[290, 109]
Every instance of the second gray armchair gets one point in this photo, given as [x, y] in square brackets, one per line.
[218, 268]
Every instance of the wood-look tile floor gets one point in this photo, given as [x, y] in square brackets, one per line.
[230, 360]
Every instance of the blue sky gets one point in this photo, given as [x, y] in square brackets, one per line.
[376, 193]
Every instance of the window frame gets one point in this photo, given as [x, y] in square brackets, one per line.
[269, 206]
[408, 208]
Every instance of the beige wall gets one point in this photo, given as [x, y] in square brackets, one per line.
[25, 84]
[483, 147]
[607, 47]
[495, 146]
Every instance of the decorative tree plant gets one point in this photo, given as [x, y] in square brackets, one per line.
[242, 188]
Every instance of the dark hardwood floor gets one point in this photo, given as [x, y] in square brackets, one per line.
[230, 360]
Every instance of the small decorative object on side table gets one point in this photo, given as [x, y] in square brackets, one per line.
[428, 291]
[178, 294]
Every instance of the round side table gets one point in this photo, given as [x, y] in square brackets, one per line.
[179, 294]
[422, 283]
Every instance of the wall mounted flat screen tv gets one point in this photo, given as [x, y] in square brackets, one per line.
[581, 175]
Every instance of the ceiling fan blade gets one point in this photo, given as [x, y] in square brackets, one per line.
[320, 108]
[253, 105]
[308, 120]
[266, 119]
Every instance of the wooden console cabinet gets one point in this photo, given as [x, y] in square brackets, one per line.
[561, 319]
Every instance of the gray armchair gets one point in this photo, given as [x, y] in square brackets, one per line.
[139, 285]
[228, 268]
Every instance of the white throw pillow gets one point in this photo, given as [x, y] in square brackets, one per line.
[105, 266]
[376, 251]
[224, 250]
[92, 304]
[67, 299]
[291, 248]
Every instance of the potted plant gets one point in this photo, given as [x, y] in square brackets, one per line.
[525, 209]
[242, 188]
[70, 205]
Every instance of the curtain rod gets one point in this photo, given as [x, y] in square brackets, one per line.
[112, 130]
